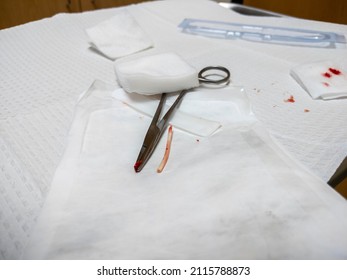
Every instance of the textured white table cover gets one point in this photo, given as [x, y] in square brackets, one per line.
[45, 65]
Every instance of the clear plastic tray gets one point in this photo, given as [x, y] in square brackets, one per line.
[263, 34]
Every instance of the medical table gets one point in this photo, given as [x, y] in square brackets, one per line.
[269, 200]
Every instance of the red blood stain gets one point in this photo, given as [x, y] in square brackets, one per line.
[290, 99]
[137, 166]
[335, 71]
[326, 75]
[326, 84]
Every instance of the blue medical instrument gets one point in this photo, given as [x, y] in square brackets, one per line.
[209, 75]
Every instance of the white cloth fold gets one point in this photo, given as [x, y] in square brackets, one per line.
[322, 79]
[158, 73]
[233, 195]
[119, 36]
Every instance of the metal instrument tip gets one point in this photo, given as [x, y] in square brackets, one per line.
[137, 166]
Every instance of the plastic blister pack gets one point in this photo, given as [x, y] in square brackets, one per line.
[263, 34]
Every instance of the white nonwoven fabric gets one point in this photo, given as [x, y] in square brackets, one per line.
[158, 73]
[322, 79]
[231, 195]
[118, 36]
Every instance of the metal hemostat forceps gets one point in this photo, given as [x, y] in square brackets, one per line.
[157, 128]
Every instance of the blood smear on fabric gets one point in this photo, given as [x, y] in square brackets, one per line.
[331, 71]
[290, 99]
[335, 71]
[326, 75]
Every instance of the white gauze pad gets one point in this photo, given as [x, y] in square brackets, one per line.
[165, 72]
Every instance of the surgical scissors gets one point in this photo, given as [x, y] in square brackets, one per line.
[157, 128]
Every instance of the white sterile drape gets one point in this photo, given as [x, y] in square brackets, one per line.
[233, 194]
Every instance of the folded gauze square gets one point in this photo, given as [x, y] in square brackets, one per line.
[323, 79]
[118, 36]
[165, 72]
